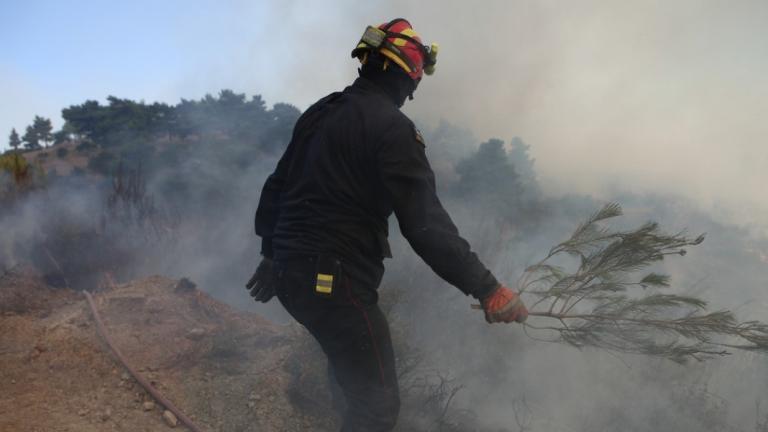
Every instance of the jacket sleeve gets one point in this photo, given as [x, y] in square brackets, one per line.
[268, 210]
[410, 181]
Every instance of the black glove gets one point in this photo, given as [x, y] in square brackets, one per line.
[263, 282]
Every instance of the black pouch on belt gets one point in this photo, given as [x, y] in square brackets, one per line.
[328, 275]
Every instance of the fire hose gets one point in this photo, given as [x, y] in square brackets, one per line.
[141, 380]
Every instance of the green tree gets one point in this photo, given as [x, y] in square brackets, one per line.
[60, 136]
[14, 140]
[520, 157]
[66, 133]
[43, 128]
[489, 180]
[30, 138]
[86, 120]
[103, 163]
[121, 121]
[282, 117]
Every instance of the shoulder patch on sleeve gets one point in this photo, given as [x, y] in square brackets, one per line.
[419, 137]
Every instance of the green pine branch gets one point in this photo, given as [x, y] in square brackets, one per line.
[605, 304]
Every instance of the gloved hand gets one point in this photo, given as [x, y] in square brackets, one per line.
[504, 305]
[263, 282]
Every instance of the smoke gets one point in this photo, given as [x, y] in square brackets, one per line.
[580, 390]
[672, 94]
[655, 104]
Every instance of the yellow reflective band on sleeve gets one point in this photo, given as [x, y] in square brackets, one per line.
[324, 283]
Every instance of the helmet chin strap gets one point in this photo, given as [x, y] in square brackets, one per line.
[414, 86]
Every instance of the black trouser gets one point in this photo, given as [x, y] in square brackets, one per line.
[354, 335]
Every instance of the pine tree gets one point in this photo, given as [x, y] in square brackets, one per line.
[43, 129]
[14, 140]
[31, 139]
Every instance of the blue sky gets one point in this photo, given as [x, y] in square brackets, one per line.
[63, 53]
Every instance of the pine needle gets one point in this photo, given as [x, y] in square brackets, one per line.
[605, 304]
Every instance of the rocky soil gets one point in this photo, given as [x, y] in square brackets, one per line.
[227, 370]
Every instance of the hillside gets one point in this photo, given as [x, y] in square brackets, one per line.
[227, 370]
[61, 159]
[133, 193]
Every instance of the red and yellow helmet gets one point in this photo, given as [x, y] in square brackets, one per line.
[398, 42]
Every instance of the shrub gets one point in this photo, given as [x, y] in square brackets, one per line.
[85, 147]
[103, 163]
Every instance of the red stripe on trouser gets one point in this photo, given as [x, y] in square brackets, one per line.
[370, 331]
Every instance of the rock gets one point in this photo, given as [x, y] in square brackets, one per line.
[106, 414]
[125, 376]
[196, 334]
[148, 406]
[155, 307]
[35, 353]
[170, 419]
[82, 412]
[185, 285]
[251, 405]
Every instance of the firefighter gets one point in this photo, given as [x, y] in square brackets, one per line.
[353, 160]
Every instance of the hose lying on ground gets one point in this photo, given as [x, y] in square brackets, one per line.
[144, 383]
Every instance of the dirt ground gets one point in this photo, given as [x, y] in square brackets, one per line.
[51, 162]
[227, 370]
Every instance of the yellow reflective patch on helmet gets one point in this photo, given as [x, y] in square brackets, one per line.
[400, 42]
[408, 32]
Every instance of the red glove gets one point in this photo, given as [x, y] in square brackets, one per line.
[504, 305]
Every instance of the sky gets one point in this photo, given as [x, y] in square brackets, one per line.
[642, 96]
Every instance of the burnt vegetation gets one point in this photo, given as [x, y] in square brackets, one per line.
[147, 164]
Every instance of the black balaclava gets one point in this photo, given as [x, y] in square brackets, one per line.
[394, 81]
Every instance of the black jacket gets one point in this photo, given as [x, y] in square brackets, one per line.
[352, 160]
